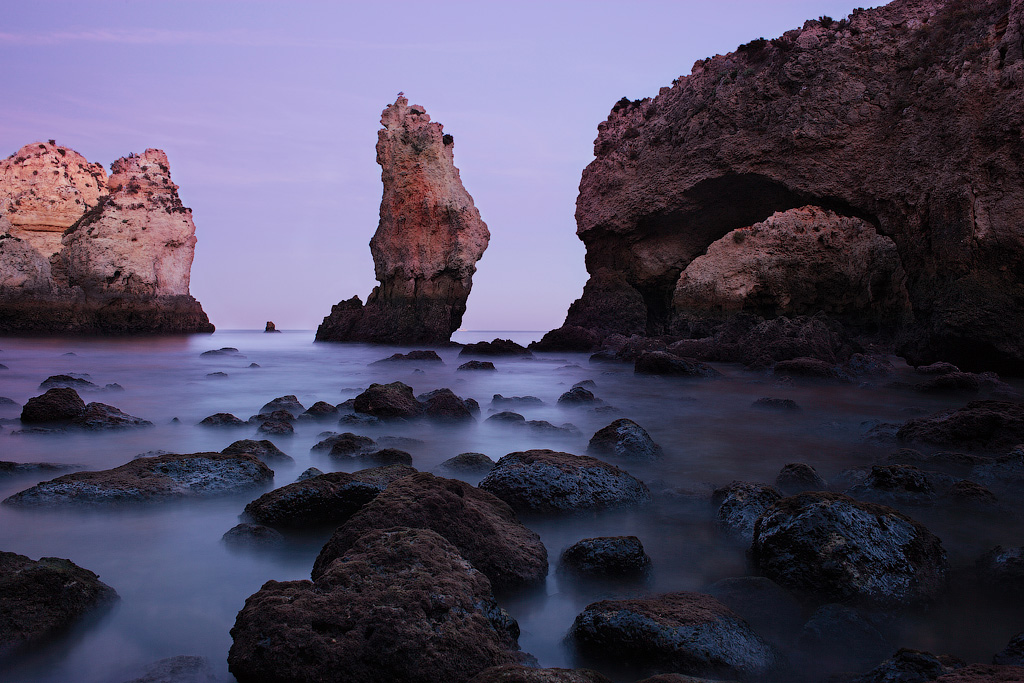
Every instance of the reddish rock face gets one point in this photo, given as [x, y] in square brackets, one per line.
[906, 117]
[426, 246]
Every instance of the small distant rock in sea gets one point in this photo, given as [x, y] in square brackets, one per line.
[477, 365]
[217, 375]
[271, 327]
[223, 351]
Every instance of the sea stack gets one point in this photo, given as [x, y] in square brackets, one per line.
[427, 243]
[893, 136]
[81, 253]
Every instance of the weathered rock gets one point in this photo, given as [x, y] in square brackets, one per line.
[321, 410]
[544, 481]
[384, 456]
[67, 381]
[578, 396]
[222, 351]
[468, 464]
[346, 443]
[477, 365]
[908, 666]
[264, 450]
[797, 477]
[950, 383]
[568, 338]
[498, 347]
[222, 420]
[517, 673]
[899, 485]
[482, 527]
[308, 473]
[324, 499]
[740, 504]
[271, 327]
[420, 356]
[624, 438]
[98, 416]
[40, 598]
[662, 363]
[515, 401]
[56, 405]
[835, 548]
[749, 134]
[180, 669]
[689, 633]
[247, 535]
[400, 605]
[275, 428]
[289, 403]
[566, 429]
[980, 425]
[443, 405]
[606, 557]
[162, 477]
[111, 255]
[426, 246]
[507, 417]
[387, 401]
[15, 469]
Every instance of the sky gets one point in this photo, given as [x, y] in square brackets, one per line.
[269, 112]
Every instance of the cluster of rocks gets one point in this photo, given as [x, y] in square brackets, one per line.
[62, 408]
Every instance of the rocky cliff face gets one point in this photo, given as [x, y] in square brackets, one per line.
[124, 258]
[906, 118]
[427, 243]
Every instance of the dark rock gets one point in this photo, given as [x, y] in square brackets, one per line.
[271, 327]
[766, 605]
[515, 401]
[325, 499]
[566, 429]
[971, 497]
[480, 525]
[264, 450]
[222, 420]
[308, 473]
[402, 442]
[517, 673]
[385, 456]
[777, 404]
[445, 406]
[839, 638]
[253, 365]
[247, 535]
[577, 396]
[8, 403]
[939, 368]
[14, 469]
[568, 338]
[56, 405]
[626, 439]
[898, 485]
[223, 351]
[472, 464]
[358, 421]
[217, 375]
[477, 365]
[909, 666]
[740, 504]
[586, 384]
[279, 415]
[400, 605]
[689, 633]
[498, 347]
[606, 557]
[980, 426]
[163, 477]
[983, 673]
[289, 403]
[797, 477]
[387, 401]
[344, 444]
[67, 381]
[39, 599]
[604, 356]
[544, 481]
[662, 363]
[1013, 653]
[950, 383]
[868, 365]
[180, 669]
[97, 416]
[472, 405]
[276, 428]
[321, 410]
[811, 368]
[836, 548]
[507, 417]
[421, 356]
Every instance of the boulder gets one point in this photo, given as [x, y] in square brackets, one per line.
[346, 443]
[275, 428]
[1003, 569]
[477, 365]
[499, 401]
[498, 347]
[615, 557]
[222, 420]
[97, 416]
[289, 403]
[264, 450]
[518, 673]
[388, 401]
[663, 363]
[835, 548]
[568, 338]
[689, 633]
[482, 527]
[544, 481]
[507, 417]
[427, 356]
[400, 605]
[625, 439]
[578, 396]
[56, 405]
[271, 327]
[163, 477]
[384, 456]
[41, 598]
[978, 426]
[797, 477]
[67, 381]
[321, 410]
[247, 535]
[899, 485]
[469, 464]
[444, 406]
[740, 504]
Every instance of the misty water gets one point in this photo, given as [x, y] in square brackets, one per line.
[180, 586]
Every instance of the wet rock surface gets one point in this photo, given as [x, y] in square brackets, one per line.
[468, 463]
[388, 401]
[624, 439]
[498, 347]
[740, 504]
[797, 477]
[247, 535]
[61, 404]
[477, 365]
[606, 557]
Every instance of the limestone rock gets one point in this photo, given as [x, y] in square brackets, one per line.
[427, 243]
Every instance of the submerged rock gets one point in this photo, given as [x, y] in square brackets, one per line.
[625, 439]
[740, 504]
[578, 396]
[428, 356]
[346, 443]
[426, 246]
[289, 403]
[797, 477]
[222, 420]
[518, 673]
[40, 598]
[498, 347]
[69, 382]
[400, 605]
[56, 405]
[480, 525]
[264, 450]
[662, 363]
[14, 469]
[163, 477]
[477, 365]
[470, 464]
[247, 535]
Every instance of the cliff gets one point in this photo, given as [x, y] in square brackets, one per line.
[906, 118]
[427, 243]
[123, 260]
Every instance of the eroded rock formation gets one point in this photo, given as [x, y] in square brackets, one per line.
[427, 243]
[82, 253]
[902, 120]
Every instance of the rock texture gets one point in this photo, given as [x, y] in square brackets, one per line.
[427, 243]
[899, 124]
[81, 253]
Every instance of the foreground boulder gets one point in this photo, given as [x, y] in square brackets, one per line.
[980, 425]
[263, 449]
[400, 605]
[544, 481]
[40, 598]
[323, 499]
[163, 477]
[689, 633]
[483, 528]
[834, 548]
[426, 246]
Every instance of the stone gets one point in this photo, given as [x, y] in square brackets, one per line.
[740, 504]
[469, 464]
[840, 638]
[289, 403]
[689, 633]
[321, 410]
[275, 428]
[477, 365]
[498, 347]
[223, 351]
[217, 375]
[264, 450]
[41, 598]
[271, 327]
[483, 528]
[67, 381]
[776, 404]
[950, 383]
[98, 416]
[222, 420]
[746, 135]
[797, 477]
[385, 456]
[507, 417]
[400, 605]
[908, 666]
[515, 401]
[427, 356]
[568, 338]
[547, 482]
[164, 477]
[979, 426]
[388, 401]
[578, 396]
[247, 535]
[17, 469]
[1013, 653]
[624, 439]
[346, 443]
[566, 429]
[324, 499]
[106, 256]
[810, 368]
[309, 473]
[56, 405]
[899, 485]
[662, 363]
[427, 243]
[835, 548]
[614, 557]
[444, 406]
[517, 673]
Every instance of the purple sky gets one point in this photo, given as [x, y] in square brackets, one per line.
[269, 113]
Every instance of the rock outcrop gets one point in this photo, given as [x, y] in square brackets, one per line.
[81, 253]
[892, 136]
[427, 243]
